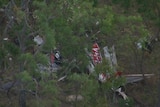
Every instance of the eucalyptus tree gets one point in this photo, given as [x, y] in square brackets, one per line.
[20, 54]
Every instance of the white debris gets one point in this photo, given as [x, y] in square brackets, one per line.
[119, 90]
[10, 58]
[91, 67]
[139, 45]
[62, 78]
[5, 39]
[107, 54]
[38, 40]
[102, 77]
[97, 23]
[86, 35]
[110, 56]
[114, 59]
[57, 55]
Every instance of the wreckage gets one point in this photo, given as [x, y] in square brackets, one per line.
[95, 58]
[54, 58]
[110, 55]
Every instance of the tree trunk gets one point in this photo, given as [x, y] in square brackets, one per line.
[22, 98]
[158, 102]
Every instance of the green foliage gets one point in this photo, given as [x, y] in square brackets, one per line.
[86, 86]
[49, 90]
[20, 15]
[133, 29]
[12, 49]
[111, 83]
[2, 53]
[103, 68]
[3, 2]
[49, 40]
[49, 87]
[108, 21]
[124, 3]
[64, 24]
[89, 87]
[126, 103]
[41, 58]
[25, 77]
[43, 24]
[8, 50]
[149, 9]
[28, 60]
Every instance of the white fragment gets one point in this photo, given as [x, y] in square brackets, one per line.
[38, 40]
[5, 39]
[97, 23]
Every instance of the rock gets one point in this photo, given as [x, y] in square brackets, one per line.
[72, 98]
